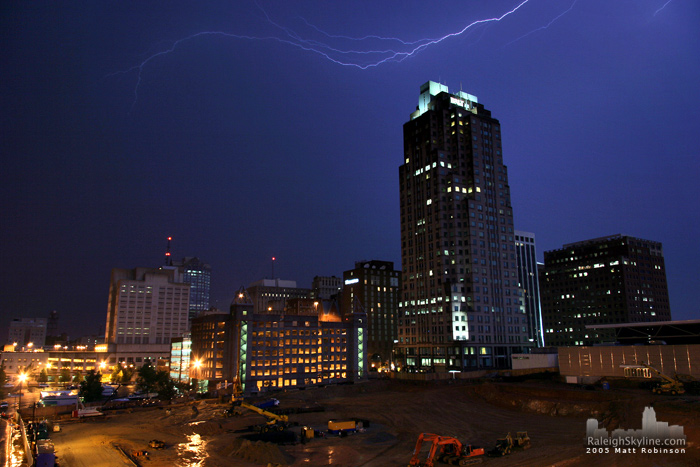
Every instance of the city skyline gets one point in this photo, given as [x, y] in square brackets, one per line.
[242, 149]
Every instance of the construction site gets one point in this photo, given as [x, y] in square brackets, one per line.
[534, 421]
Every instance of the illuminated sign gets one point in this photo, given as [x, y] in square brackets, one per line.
[456, 101]
[352, 281]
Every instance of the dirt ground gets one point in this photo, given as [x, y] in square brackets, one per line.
[553, 414]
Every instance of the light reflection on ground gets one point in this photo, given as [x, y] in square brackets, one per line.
[193, 453]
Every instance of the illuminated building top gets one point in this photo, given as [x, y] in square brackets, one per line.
[431, 88]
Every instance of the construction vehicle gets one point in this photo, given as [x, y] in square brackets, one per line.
[445, 449]
[274, 422]
[504, 446]
[668, 385]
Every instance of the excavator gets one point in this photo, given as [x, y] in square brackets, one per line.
[445, 449]
[274, 422]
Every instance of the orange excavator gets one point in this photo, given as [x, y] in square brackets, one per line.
[445, 449]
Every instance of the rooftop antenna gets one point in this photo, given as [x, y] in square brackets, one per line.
[168, 258]
[273, 268]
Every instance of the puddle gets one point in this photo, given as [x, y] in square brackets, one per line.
[193, 453]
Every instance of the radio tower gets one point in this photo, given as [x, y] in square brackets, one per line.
[168, 258]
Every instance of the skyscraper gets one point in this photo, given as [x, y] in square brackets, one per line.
[375, 286]
[198, 274]
[607, 280]
[147, 307]
[530, 285]
[460, 303]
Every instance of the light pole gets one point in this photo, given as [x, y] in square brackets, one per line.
[22, 378]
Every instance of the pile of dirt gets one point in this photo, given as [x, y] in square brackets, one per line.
[203, 427]
[259, 452]
[553, 402]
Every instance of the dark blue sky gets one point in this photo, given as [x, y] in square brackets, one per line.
[243, 148]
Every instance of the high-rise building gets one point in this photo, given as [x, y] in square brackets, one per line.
[147, 307]
[607, 280]
[198, 274]
[460, 301]
[26, 331]
[271, 295]
[529, 284]
[373, 287]
[325, 288]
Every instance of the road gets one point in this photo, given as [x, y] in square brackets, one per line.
[75, 449]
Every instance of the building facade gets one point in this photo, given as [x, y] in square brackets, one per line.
[147, 308]
[373, 287]
[528, 277]
[325, 288]
[304, 346]
[26, 331]
[607, 280]
[271, 295]
[197, 274]
[460, 301]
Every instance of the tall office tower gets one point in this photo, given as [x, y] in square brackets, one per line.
[198, 274]
[271, 295]
[26, 331]
[607, 280]
[530, 285]
[460, 306]
[324, 287]
[147, 307]
[373, 288]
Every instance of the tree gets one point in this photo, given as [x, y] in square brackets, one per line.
[165, 386]
[3, 378]
[64, 377]
[147, 378]
[91, 386]
[43, 376]
[77, 378]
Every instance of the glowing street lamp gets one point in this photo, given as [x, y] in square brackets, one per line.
[22, 378]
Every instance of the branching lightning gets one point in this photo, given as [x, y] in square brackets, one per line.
[362, 58]
[545, 26]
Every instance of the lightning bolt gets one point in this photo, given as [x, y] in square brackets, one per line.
[362, 58]
[545, 26]
[662, 7]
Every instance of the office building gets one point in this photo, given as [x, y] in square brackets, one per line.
[373, 288]
[305, 346]
[197, 274]
[271, 295]
[27, 332]
[528, 278]
[608, 280]
[325, 288]
[147, 308]
[460, 302]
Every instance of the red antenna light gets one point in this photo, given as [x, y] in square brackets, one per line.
[168, 261]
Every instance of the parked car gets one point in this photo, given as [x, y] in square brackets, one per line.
[4, 406]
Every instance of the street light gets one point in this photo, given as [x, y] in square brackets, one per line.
[22, 378]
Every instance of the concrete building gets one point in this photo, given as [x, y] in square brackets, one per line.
[608, 280]
[528, 278]
[271, 295]
[373, 288]
[25, 331]
[147, 308]
[302, 347]
[460, 301]
[325, 288]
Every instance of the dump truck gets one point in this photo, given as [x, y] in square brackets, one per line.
[446, 449]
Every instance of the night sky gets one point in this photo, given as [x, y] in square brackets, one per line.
[265, 139]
